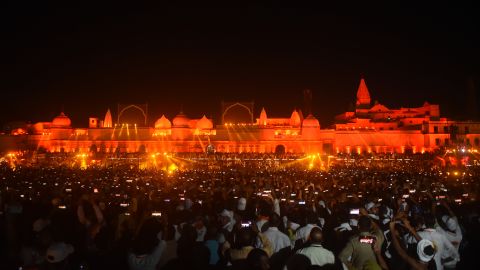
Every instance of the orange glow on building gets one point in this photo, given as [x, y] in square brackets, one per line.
[368, 128]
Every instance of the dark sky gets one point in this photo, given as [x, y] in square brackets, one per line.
[89, 58]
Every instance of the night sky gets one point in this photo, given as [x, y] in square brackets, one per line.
[89, 58]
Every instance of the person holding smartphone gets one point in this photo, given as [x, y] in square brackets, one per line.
[245, 241]
[278, 239]
[359, 250]
[302, 234]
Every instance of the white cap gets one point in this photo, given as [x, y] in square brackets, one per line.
[343, 227]
[424, 243]
[226, 213]
[322, 203]
[294, 226]
[371, 205]
[58, 252]
[242, 204]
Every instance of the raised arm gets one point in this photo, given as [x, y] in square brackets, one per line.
[98, 213]
[410, 229]
[81, 214]
[450, 212]
[276, 207]
[378, 254]
[345, 254]
[401, 252]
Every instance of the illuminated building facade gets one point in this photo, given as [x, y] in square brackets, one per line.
[366, 129]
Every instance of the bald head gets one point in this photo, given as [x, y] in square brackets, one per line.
[316, 235]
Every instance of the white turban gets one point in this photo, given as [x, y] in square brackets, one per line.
[421, 246]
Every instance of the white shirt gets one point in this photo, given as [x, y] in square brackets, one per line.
[260, 224]
[318, 255]
[277, 239]
[444, 247]
[201, 234]
[304, 232]
[454, 237]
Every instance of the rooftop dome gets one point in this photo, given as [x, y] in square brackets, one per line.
[181, 120]
[163, 123]
[295, 119]
[311, 122]
[61, 121]
[204, 123]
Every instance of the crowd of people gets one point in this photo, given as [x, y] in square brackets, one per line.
[355, 215]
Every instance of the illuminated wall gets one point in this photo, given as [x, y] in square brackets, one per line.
[367, 129]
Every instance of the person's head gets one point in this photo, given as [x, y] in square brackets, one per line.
[316, 235]
[225, 217]
[89, 212]
[242, 204]
[245, 237]
[429, 220]
[417, 222]
[372, 208]
[169, 233]
[199, 222]
[188, 234]
[258, 259]
[57, 254]
[364, 224]
[385, 212]
[342, 215]
[450, 223]
[425, 250]
[312, 217]
[264, 209]
[298, 262]
[274, 220]
[146, 240]
[212, 233]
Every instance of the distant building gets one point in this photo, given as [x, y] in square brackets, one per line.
[368, 128]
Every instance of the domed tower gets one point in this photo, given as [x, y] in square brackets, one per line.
[181, 128]
[61, 121]
[310, 128]
[266, 132]
[163, 123]
[60, 128]
[295, 120]
[204, 123]
[181, 120]
[311, 122]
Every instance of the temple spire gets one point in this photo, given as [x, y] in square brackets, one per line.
[363, 96]
[107, 122]
[263, 118]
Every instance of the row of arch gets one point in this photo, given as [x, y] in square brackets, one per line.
[279, 149]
